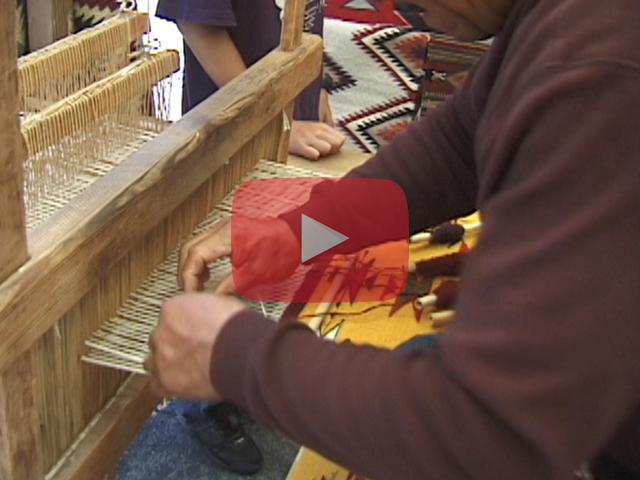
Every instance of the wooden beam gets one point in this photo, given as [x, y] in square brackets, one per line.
[104, 442]
[48, 21]
[86, 106]
[74, 247]
[20, 442]
[285, 136]
[13, 252]
[293, 25]
[20, 447]
[290, 37]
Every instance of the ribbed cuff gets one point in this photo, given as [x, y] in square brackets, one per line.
[231, 358]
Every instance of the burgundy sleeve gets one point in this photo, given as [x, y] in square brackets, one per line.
[432, 161]
[540, 366]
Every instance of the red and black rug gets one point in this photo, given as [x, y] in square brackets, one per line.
[382, 77]
[365, 11]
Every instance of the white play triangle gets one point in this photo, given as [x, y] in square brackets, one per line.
[359, 5]
[318, 238]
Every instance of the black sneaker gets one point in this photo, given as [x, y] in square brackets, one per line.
[218, 428]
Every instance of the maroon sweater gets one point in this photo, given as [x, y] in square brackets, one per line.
[541, 369]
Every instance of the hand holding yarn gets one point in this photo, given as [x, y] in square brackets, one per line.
[181, 347]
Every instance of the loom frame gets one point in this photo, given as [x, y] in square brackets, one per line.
[68, 261]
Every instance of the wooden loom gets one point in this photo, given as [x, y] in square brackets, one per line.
[62, 278]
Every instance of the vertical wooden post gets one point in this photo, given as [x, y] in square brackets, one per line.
[290, 38]
[20, 448]
[48, 21]
[20, 440]
[13, 244]
[292, 25]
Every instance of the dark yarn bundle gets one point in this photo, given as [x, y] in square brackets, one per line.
[448, 234]
[446, 294]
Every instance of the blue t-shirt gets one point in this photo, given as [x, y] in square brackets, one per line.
[254, 26]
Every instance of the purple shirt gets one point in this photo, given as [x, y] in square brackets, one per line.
[254, 26]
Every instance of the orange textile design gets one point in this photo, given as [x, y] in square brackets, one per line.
[385, 323]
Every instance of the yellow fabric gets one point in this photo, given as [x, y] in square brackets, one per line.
[373, 327]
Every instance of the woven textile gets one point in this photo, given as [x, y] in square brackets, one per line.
[365, 11]
[386, 324]
[382, 78]
[87, 13]
[446, 66]
[380, 73]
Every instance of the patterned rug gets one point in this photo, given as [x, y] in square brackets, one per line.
[381, 77]
[87, 13]
[365, 11]
[446, 65]
[373, 73]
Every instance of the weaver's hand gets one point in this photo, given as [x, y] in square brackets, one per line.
[264, 251]
[182, 344]
[313, 140]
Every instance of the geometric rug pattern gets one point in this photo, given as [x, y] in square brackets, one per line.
[335, 78]
[386, 76]
[88, 13]
[446, 66]
[373, 127]
[385, 68]
[400, 51]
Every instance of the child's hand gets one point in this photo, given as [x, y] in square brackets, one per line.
[313, 140]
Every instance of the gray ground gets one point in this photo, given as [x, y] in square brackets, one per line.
[164, 450]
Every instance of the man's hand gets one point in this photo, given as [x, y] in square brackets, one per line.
[182, 344]
[313, 140]
[264, 250]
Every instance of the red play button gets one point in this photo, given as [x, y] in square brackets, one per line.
[292, 239]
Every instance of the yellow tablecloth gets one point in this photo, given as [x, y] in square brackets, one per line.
[370, 323]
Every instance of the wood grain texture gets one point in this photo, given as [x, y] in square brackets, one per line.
[65, 413]
[71, 54]
[293, 25]
[73, 248]
[48, 21]
[105, 440]
[88, 105]
[20, 446]
[285, 136]
[13, 244]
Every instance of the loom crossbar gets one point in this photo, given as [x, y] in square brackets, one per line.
[84, 107]
[107, 44]
[82, 137]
